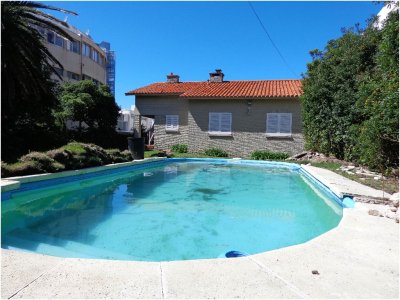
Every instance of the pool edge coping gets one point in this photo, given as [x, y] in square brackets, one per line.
[13, 183]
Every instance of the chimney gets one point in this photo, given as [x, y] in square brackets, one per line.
[171, 78]
[217, 76]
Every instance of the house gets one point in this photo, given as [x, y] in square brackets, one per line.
[237, 116]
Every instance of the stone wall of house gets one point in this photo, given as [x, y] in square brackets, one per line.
[159, 107]
[248, 126]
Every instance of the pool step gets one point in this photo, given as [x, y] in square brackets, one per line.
[31, 241]
[15, 243]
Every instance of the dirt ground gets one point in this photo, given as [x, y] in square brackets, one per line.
[388, 183]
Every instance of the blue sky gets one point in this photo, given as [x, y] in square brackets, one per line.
[152, 39]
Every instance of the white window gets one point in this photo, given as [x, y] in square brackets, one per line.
[219, 124]
[279, 124]
[171, 123]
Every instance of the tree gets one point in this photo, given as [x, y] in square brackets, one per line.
[350, 99]
[85, 102]
[378, 95]
[330, 92]
[27, 93]
[25, 61]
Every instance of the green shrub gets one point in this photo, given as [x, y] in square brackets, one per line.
[85, 155]
[42, 162]
[266, 154]
[179, 148]
[61, 155]
[21, 169]
[69, 157]
[216, 152]
[118, 156]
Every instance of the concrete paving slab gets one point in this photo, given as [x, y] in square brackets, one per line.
[343, 186]
[93, 278]
[371, 239]
[352, 263]
[19, 269]
[222, 278]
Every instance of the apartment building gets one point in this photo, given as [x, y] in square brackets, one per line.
[80, 56]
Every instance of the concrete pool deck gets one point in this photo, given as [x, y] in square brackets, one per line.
[357, 259]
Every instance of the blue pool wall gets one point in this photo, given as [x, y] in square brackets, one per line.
[71, 178]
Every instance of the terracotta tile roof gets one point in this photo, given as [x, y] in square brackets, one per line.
[226, 89]
[167, 88]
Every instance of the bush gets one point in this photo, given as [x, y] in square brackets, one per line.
[216, 152]
[21, 169]
[179, 148]
[69, 157]
[266, 154]
[85, 155]
[42, 162]
[61, 155]
[118, 156]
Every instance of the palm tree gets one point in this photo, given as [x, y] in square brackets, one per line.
[27, 93]
[25, 61]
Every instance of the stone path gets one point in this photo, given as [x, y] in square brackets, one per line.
[343, 186]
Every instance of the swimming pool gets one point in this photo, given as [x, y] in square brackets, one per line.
[174, 209]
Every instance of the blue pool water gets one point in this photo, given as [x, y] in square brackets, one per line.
[175, 210]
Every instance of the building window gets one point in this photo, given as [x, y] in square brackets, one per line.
[171, 123]
[55, 39]
[51, 37]
[220, 124]
[72, 75]
[95, 55]
[86, 50]
[59, 71]
[73, 46]
[279, 124]
[40, 29]
[59, 41]
[86, 77]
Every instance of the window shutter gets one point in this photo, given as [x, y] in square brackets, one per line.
[171, 122]
[285, 124]
[213, 122]
[272, 123]
[226, 122]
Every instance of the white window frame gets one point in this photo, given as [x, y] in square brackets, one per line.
[217, 117]
[171, 123]
[280, 132]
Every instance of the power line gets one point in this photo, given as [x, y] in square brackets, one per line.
[270, 39]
